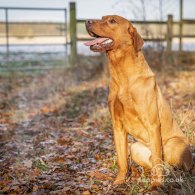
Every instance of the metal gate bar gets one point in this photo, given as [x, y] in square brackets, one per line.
[33, 9]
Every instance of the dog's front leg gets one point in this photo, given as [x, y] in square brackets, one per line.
[120, 139]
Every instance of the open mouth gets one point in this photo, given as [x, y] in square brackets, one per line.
[99, 43]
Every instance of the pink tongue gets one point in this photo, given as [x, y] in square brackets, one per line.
[95, 41]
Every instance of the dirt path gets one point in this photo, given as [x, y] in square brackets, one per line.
[56, 135]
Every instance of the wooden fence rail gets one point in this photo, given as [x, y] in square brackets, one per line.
[168, 37]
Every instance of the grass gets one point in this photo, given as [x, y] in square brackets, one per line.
[28, 62]
[40, 164]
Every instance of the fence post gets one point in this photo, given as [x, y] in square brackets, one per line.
[7, 31]
[73, 34]
[66, 32]
[169, 33]
[181, 25]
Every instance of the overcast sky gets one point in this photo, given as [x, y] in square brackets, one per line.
[131, 9]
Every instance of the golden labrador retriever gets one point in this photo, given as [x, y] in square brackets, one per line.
[136, 103]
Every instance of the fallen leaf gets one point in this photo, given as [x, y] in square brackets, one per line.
[64, 141]
[28, 163]
[86, 193]
[99, 175]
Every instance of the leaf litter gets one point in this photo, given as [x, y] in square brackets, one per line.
[56, 134]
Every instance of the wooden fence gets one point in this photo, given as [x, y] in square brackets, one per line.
[167, 37]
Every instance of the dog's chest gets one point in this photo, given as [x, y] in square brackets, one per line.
[123, 104]
[125, 112]
[124, 97]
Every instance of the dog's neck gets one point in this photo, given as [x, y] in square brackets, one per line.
[121, 52]
[125, 63]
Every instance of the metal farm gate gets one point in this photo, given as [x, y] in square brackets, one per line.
[32, 44]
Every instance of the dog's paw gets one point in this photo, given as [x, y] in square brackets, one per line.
[156, 182]
[120, 179]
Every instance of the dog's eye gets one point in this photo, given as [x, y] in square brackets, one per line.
[112, 21]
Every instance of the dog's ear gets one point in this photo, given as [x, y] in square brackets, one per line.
[138, 42]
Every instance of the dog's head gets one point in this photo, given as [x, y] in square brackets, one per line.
[112, 32]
